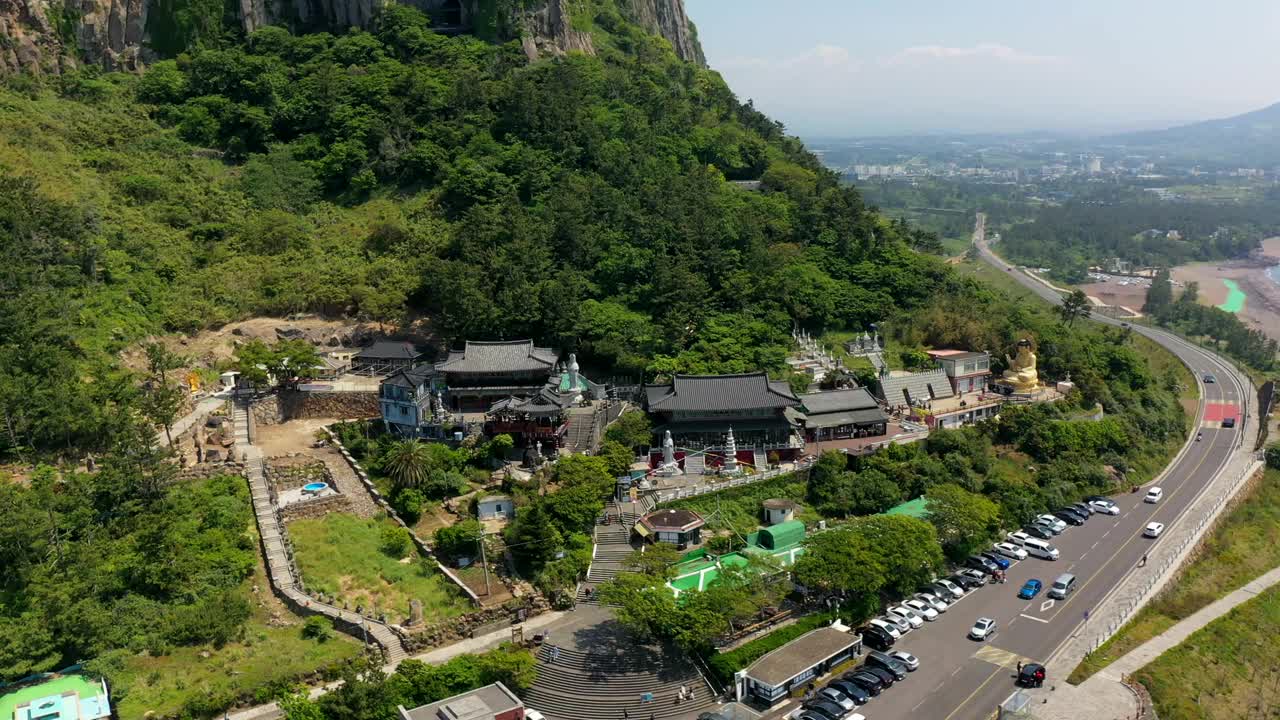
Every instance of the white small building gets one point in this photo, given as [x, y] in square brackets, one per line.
[495, 507]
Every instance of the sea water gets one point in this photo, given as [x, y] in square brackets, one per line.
[1273, 272]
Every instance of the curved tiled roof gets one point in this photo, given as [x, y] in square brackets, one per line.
[748, 391]
[503, 356]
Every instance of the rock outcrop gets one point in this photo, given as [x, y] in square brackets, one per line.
[45, 36]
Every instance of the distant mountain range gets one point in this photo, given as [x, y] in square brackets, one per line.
[1251, 139]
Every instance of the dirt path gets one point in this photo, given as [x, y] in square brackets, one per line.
[298, 436]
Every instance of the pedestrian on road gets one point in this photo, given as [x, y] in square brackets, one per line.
[626, 715]
[1019, 667]
[1143, 562]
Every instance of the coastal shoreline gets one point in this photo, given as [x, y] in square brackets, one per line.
[1262, 306]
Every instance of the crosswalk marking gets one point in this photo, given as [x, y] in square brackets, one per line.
[998, 657]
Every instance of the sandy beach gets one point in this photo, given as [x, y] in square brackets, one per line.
[1262, 305]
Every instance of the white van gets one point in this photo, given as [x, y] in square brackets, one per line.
[1036, 547]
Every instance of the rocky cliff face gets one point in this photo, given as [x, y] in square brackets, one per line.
[47, 35]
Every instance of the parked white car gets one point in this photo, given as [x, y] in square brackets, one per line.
[983, 629]
[1057, 524]
[911, 661]
[956, 590]
[1105, 507]
[933, 601]
[1153, 530]
[906, 613]
[1010, 550]
[887, 627]
[1018, 538]
[1153, 495]
[922, 608]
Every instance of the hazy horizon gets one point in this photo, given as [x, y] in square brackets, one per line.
[841, 68]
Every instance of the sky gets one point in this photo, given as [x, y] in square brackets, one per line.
[841, 68]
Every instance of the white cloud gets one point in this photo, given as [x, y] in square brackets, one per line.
[830, 57]
[993, 51]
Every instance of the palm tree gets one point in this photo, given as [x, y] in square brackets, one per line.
[1075, 305]
[408, 463]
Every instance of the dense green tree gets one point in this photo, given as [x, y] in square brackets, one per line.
[408, 463]
[965, 521]
[631, 430]
[458, 540]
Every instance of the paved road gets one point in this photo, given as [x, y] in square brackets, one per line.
[960, 679]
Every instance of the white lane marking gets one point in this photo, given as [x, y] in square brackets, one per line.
[917, 705]
[1103, 535]
[1047, 604]
[1031, 617]
[1096, 544]
[1084, 556]
[953, 672]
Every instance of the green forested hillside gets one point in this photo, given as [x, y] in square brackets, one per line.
[584, 201]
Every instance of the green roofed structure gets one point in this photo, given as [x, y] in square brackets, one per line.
[783, 543]
[64, 697]
[917, 508]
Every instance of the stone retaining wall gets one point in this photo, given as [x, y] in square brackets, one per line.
[294, 471]
[288, 405]
[312, 509]
[204, 471]
[480, 622]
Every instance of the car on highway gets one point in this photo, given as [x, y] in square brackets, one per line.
[1030, 589]
[1228, 422]
[977, 577]
[1010, 550]
[1031, 675]
[1153, 495]
[1209, 379]
[911, 662]
[983, 629]
[906, 613]
[851, 691]
[933, 600]
[877, 637]
[865, 680]
[1104, 506]
[1153, 530]
[921, 608]
[837, 697]
[887, 662]
[1055, 523]
[886, 626]
[1069, 516]
[1040, 532]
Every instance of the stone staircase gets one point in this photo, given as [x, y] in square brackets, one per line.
[695, 464]
[761, 460]
[600, 685]
[581, 433]
[278, 552]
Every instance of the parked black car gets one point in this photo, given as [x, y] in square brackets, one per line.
[1038, 531]
[1083, 507]
[884, 662]
[877, 638]
[1031, 675]
[965, 582]
[826, 709]
[885, 676]
[865, 680]
[853, 691]
[1069, 517]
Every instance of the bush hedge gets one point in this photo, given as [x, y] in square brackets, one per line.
[724, 665]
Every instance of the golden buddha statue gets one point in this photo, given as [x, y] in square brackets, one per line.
[1022, 375]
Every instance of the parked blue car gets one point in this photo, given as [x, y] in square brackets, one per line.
[1001, 561]
[1031, 589]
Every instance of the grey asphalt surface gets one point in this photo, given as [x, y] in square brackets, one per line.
[960, 679]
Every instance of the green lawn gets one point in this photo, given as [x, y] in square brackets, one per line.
[342, 555]
[1228, 670]
[266, 655]
[1244, 546]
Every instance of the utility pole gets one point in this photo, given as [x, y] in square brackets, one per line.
[484, 563]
